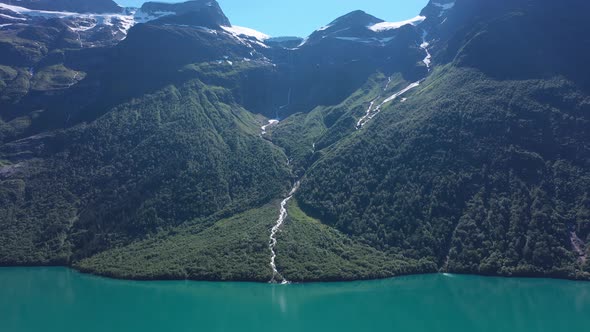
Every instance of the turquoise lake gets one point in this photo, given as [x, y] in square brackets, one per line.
[59, 299]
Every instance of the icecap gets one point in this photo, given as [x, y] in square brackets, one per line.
[126, 20]
[273, 236]
[383, 26]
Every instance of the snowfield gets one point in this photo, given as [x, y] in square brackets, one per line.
[384, 26]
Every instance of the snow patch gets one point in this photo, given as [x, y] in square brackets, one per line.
[373, 111]
[31, 12]
[395, 96]
[444, 6]
[303, 42]
[243, 31]
[384, 26]
[8, 17]
[141, 17]
[247, 36]
[270, 124]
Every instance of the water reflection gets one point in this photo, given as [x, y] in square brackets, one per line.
[63, 300]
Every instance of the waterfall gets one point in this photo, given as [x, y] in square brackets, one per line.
[276, 275]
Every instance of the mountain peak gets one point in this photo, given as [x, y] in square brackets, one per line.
[356, 18]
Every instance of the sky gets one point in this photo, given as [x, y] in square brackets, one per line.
[301, 17]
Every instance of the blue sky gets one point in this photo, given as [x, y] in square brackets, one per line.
[301, 17]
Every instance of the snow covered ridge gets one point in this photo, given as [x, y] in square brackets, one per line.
[123, 20]
[384, 26]
[37, 13]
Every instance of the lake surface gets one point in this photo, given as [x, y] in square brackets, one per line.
[59, 299]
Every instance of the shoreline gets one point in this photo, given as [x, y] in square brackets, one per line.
[581, 278]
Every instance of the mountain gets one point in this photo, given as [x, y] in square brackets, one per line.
[475, 179]
[183, 147]
[76, 6]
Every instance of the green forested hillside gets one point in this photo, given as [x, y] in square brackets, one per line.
[486, 179]
[231, 249]
[177, 155]
[457, 143]
[311, 251]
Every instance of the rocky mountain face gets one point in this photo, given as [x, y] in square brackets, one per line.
[454, 141]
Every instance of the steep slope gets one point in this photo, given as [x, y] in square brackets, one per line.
[491, 178]
[54, 77]
[137, 148]
[343, 55]
[182, 154]
[45, 53]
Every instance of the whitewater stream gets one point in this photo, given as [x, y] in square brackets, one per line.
[276, 275]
